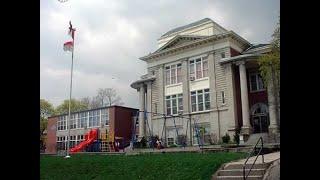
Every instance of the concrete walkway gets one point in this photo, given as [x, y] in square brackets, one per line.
[267, 159]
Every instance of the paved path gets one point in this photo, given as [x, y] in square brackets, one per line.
[267, 158]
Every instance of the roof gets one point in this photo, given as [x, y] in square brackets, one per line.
[135, 85]
[187, 26]
[92, 110]
[201, 40]
[256, 47]
[237, 58]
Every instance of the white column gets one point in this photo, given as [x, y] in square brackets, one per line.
[142, 108]
[273, 128]
[149, 103]
[244, 98]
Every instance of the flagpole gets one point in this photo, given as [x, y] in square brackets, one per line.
[69, 115]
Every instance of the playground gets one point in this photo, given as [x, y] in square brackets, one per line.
[143, 166]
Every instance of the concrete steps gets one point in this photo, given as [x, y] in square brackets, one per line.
[235, 171]
[238, 172]
[240, 177]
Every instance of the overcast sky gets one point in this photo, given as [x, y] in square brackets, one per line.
[112, 34]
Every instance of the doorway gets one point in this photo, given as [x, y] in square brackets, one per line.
[259, 118]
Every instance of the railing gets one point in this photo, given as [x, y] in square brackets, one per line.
[253, 150]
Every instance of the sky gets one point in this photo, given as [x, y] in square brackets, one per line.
[111, 36]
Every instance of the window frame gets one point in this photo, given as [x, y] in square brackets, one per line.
[197, 93]
[173, 78]
[171, 98]
[193, 67]
[257, 77]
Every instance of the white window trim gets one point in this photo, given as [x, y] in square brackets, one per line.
[257, 81]
[195, 68]
[165, 69]
[203, 102]
[171, 107]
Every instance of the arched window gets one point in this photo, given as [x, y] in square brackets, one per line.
[259, 118]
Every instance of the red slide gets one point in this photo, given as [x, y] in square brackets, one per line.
[89, 138]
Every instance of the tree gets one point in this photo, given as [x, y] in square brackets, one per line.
[108, 96]
[91, 103]
[46, 110]
[86, 101]
[76, 105]
[269, 66]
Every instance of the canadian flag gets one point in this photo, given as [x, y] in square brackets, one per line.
[68, 46]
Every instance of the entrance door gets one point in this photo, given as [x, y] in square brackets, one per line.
[259, 118]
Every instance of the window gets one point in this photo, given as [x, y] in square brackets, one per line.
[94, 118]
[256, 83]
[180, 105]
[170, 141]
[173, 74]
[72, 141]
[62, 120]
[73, 124]
[60, 143]
[168, 75]
[193, 101]
[174, 104]
[223, 55]
[179, 75]
[207, 99]
[200, 100]
[223, 97]
[198, 68]
[105, 116]
[82, 119]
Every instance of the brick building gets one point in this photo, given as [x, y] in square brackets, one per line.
[116, 121]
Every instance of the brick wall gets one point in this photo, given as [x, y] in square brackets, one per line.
[51, 135]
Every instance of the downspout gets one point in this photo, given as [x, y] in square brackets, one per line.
[215, 84]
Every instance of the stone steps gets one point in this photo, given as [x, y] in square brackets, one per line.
[239, 172]
[235, 171]
[240, 177]
[248, 166]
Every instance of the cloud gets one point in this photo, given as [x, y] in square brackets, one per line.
[112, 35]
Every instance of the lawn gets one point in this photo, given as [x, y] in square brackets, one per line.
[146, 166]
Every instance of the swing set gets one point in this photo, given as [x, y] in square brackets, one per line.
[151, 139]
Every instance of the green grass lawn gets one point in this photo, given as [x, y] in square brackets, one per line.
[146, 166]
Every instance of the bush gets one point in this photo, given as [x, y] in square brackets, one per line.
[173, 145]
[236, 137]
[226, 138]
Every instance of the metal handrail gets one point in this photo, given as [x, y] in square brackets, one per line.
[253, 150]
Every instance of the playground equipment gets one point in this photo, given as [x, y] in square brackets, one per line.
[107, 142]
[163, 137]
[90, 137]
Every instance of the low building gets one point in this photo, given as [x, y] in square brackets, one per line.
[203, 72]
[116, 121]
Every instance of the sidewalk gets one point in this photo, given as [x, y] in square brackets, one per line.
[267, 159]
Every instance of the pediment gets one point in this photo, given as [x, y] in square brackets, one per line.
[178, 41]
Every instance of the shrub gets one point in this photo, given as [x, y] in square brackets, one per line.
[236, 137]
[226, 138]
[143, 142]
[173, 145]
